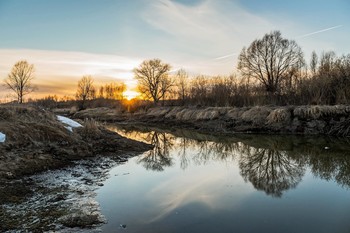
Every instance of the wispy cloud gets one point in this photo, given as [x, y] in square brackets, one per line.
[200, 32]
[320, 31]
[225, 56]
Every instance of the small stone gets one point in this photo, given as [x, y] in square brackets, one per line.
[122, 226]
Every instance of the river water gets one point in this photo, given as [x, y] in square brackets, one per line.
[249, 183]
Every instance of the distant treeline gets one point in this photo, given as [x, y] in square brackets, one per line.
[271, 71]
[325, 81]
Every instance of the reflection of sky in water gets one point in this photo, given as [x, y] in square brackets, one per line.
[209, 194]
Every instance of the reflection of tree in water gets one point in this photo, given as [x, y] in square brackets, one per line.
[219, 151]
[159, 157]
[270, 170]
[330, 166]
[184, 159]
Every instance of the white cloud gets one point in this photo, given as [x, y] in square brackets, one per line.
[62, 69]
[208, 37]
[206, 31]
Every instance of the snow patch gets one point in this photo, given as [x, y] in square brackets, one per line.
[70, 124]
[2, 137]
[69, 128]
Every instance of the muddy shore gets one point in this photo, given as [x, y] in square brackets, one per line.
[48, 173]
[36, 141]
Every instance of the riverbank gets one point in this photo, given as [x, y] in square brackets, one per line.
[36, 141]
[305, 120]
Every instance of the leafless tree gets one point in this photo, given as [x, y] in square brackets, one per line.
[182, 84]
[313, 63]
[113, 91]
[19, 80]
[153, 79]
[86, 90]
[270, 59]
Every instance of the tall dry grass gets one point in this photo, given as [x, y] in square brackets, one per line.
[318, 111]
[90, 129]
[279, 115]
[25, 124]
[256, 115]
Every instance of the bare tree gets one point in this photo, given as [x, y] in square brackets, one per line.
[86, 90]
[313, 63]
[114, 91]
[153, 79]
[19, 80]
[270, 59]
[182, 84]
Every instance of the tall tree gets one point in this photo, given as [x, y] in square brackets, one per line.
[182, 84]
[153, 79]
[313, 63]
[86, 90]
[20, 79]
[270, 60]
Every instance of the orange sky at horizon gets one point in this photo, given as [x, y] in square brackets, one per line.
[57, 73]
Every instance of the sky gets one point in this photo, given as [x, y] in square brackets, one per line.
[66, 39]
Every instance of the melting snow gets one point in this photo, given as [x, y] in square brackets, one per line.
[2, 137]
[70, 124]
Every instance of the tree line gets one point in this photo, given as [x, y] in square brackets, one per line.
[271, 70]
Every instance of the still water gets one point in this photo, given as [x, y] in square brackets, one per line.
[249, 183]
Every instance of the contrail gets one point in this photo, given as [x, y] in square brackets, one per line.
[226, 56]
[323, 30]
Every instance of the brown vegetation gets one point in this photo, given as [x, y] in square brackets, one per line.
[326, 120]
[36, 141]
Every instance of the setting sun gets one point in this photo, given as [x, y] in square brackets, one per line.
[130, 94]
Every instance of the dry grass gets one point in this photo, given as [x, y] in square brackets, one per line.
[98, 113]
[235, 113]
[279, 115]
[256, 115]
[172, 113]
[27, 124]
[157, 112]
[91, 129]
[206, 114]
[318, 111]
[185, 115]
[24, 113]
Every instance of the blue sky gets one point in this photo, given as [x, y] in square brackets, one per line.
[202, 36]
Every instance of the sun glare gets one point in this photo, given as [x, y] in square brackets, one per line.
[129, 95]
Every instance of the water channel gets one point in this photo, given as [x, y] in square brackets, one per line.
[194, 183]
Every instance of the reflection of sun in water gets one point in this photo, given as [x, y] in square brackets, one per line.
[129, 94]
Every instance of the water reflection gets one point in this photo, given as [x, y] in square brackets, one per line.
[272, 164]
[184, 158]
[331, 166]
[159, 157]
[271, 171]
